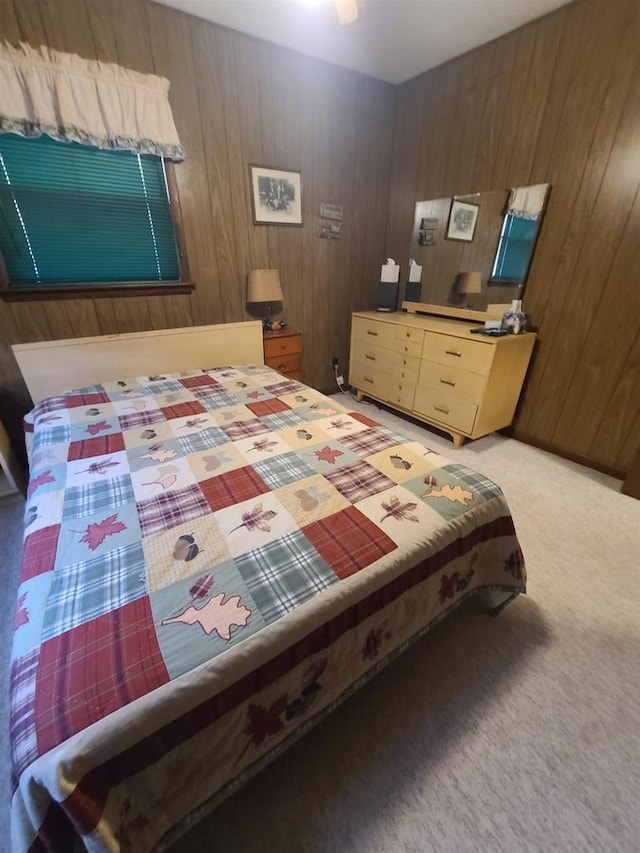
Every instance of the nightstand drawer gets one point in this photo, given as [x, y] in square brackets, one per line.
[458, 352]
[275, 347]
[285, 363]
[445, 408]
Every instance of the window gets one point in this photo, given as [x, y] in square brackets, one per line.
[77, 216]
[515, 247]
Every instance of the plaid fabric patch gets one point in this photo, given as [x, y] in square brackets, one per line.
[203, 392]
[368, 442]
[140, 419]
[232, 488]
[267, 407]
[24, 745]
[167, 510]
[85, 590]
[219, 400]
[359, 481]
[358, 416]
[284, 574]
[50, 404]
[51, 435]
[283, 420]
[348, 541]
[479, 484]
[100, 445]
[39, 553]
[97, 496]
[197, 381]
[165, 386]
[94, 669]
[244, 429]
[72, 401]
[204, 440]
[183, 410]
[279, 389]
[283, 469]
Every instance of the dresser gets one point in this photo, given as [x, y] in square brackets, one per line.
[283, 352]
[12, 478]
[436, 370]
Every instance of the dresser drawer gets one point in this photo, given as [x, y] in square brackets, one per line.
[402, 361]
[458, 352]
[409, 349]
[370, 379]
[286, 363]
[402, 394]
[461, 384]
[373, 332]
[274, 347]
[445, 408]
[408, 334]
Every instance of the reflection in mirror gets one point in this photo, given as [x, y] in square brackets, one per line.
[475, 250]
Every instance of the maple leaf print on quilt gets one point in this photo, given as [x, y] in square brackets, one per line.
[257, 519]
[400, 511]
[22, 614]
[99, 426]
[40, 480]
[216, 615]
[97, 532]
[264, 722]
[328, 455]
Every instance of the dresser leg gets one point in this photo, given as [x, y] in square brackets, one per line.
[458, 440]
[359, 396]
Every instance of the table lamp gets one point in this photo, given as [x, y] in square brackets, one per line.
[264, 286]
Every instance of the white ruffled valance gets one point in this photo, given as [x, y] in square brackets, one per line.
[527, 202]
[81, 100]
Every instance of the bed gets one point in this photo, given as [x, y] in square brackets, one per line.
[214, 558]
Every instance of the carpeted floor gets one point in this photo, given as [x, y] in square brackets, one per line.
[520, 733]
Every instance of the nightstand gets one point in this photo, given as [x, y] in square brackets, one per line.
[283, 352]
[11, 475]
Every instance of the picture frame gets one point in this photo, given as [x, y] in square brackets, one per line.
[276, 195]
[462, 221]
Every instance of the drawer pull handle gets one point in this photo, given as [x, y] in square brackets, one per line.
[368, 379]
[408, 334]
[404, 361]
[369, 332]
[370, 357]
[283, 347]
[441, 408]
[455, 352]
[448, 382]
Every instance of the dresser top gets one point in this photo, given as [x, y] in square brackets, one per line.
[443, 325]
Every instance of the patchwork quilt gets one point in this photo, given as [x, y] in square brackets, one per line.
[195, 542]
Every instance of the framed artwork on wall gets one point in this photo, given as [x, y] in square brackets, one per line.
[462, 221]
[276, 196]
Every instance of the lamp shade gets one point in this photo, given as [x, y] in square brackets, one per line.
[264, 286]
[469, 282]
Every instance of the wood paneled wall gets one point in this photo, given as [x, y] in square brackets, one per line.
[557, 101]
[236, 101]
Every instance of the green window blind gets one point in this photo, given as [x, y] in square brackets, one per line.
[515, 248]
[72, 214]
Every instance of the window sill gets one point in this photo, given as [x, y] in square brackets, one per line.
[505, 282]
[96, 291]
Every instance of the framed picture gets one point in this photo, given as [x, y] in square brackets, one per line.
[276, 196]
[462, 221]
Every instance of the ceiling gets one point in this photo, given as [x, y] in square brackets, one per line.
[392, 40]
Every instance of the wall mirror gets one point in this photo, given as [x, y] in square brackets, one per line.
[474, 251]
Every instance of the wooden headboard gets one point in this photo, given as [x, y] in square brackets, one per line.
[52, 367]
